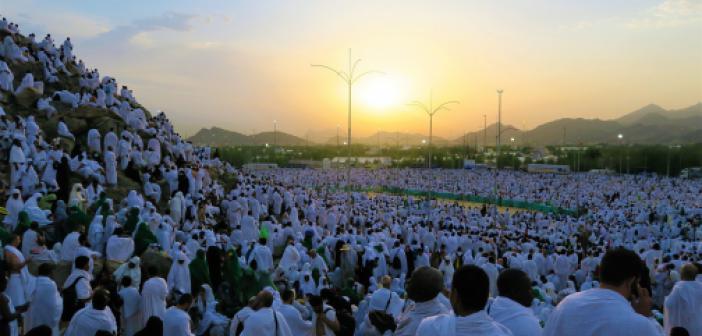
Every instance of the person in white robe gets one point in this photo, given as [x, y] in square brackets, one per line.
[17, 162]
[469, 294]
[179, 274]
[266, 321]
[423, 287]
[29, 83]
[176, 321]
[94, 140]
[70, 246]
[151, 190]
[298, 325]
[77, 197]
[119, 247]
[94, 317]
[607, 310]
[684, 304]
[47, 303]
[13, 206]
[130, 316]
[131, 269]
[263, 256]
[153, 297]
[512, 307]
[96, 234]
[6, 77]
[35, 213]
[291, 257]
[81, 277]
[44, 105]
[29, 240]
[110, 166]
[21, 283]
[62, 130]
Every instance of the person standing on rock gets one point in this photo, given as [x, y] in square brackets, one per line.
[110, 167]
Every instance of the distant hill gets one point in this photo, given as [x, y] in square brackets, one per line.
[218, 137]
[650, 124]
[489, 136]
[398, 138]
[280, 138]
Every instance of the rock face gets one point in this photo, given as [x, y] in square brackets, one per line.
[28, 97]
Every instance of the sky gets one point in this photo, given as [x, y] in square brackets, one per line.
[245, 65]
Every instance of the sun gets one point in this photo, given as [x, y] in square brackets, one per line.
[380, 92]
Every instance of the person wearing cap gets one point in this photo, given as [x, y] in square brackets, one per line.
[423, 289]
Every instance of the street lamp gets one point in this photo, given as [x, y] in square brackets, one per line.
[621, 138]
[275, 133]
[431, 111]
[350, 78]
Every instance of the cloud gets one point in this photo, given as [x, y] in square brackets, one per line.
[136, 31]
[669, 13]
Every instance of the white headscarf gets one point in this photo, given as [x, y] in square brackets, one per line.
[133, 273]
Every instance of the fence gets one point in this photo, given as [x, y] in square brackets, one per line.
[510, 203]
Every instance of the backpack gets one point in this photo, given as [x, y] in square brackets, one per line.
[381, 320]
[396, 262]
[71, 304]
[347, 324]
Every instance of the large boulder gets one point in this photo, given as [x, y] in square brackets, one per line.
[77, 125]
[158, 259]
[28, 97]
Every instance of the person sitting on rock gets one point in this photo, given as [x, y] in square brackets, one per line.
[62, 130]
[6, 77]
[67, 97]
[12, 52]
[29, 83]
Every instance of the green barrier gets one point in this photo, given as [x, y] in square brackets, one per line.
[532, 206]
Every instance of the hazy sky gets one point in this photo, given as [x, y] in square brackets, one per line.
[242, 64]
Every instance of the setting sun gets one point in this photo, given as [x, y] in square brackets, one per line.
[381, 92]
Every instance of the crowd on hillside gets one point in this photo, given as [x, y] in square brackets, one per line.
[197, 247]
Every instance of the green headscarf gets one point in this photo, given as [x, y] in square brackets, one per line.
[23, 222]
[46, 201]
[143, 238]
[249, 284]
[100, 202]
[4, 236]
[199, 271]
[132, 220]
[76, 219]
[232, 270]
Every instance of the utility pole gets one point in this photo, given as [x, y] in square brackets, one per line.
[430, 110]
[275, 133]
[499, 127]
[499, 134]
[484, 132]
[350, 78]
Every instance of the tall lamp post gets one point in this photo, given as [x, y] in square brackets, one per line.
[620, 137]
[497, 144]
[431, 111]
[350, 77]
[484, 132]
[275, 133]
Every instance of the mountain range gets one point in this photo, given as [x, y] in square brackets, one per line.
[650, 124]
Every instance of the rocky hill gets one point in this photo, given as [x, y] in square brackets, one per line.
[219, 137]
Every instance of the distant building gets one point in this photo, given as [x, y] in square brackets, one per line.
[259, 166]
[548, 168]
[365, 161]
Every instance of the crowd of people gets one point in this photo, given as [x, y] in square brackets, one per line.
[202, 248]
